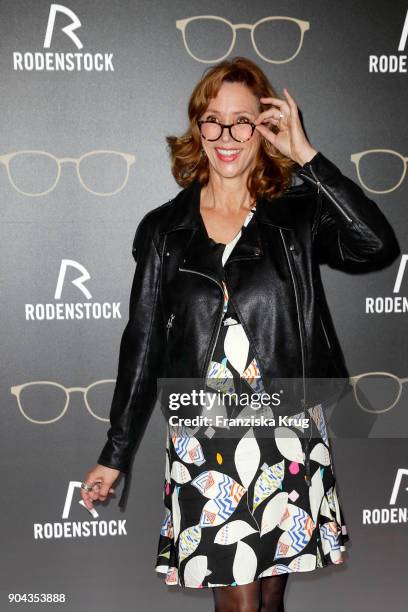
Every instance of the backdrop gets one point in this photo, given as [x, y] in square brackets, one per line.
[89, 90]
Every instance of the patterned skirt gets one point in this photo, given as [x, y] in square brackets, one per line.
[238, 507]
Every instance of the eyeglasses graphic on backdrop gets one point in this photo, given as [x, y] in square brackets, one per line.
[380, 165]
[41, 395]
[36, 173]
[377, 392]
[269, 34]
[212, 130]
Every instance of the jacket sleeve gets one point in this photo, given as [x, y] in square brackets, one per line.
[140, 356]
[349, 230]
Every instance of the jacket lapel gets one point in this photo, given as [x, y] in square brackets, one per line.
[198, 254]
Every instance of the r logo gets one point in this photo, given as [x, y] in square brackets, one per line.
[404, 34]
[397, 485]
[68, 30]
[73, 485]
[400, 274]
[78, 282]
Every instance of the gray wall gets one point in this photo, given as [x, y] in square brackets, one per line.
[346, 109]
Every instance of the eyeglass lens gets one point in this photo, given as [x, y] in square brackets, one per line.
[239, 131]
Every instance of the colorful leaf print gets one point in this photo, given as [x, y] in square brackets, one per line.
[233, 532]
[252, 375]
[222, 505]
[275, 570]
[268, 482]
[187, 447]
[213, 484]
[189, 540]
[329, 533]
[219, 378]
[298, 528]
[167, 525]
[273, 512]
[317, 415]
[303, 563]
[180, 473]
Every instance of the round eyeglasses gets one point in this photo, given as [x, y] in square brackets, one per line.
[212, 130]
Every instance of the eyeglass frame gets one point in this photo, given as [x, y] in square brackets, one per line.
[16, 391]
[353, 381]
[356, 158]
[7, 157]
[223, 126]
[181, 25]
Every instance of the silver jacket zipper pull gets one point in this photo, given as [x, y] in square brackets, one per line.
[169, 323]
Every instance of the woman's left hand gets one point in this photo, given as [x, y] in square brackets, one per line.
[290, 140]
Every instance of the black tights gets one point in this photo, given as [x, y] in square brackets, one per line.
[263, 595]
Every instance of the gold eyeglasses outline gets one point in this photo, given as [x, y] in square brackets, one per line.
[353, 380]
[7, 157]
[16, 390]
[181, 25]
[356, 158]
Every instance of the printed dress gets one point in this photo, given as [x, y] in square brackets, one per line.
[238, 508]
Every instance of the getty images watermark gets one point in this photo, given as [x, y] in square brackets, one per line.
[231, 403]
[228, 406]
[353, 407]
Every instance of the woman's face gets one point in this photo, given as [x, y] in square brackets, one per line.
[235, 101]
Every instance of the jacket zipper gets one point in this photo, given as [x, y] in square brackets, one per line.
[209, 352]
[325, 332]
[169, 324]
[320, 186]
[291, 264]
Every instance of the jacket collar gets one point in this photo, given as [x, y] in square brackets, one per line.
[198, 254]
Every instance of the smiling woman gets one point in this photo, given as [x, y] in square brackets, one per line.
[234, 89]
[227, 291]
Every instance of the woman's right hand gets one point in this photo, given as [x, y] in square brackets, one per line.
[102, 478]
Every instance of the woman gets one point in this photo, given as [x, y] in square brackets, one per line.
[227, 289]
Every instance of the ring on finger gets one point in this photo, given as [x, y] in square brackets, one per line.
[88, 487]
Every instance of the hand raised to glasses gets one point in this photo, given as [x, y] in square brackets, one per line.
[291, 140]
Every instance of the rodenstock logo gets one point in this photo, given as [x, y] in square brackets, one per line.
[393, 514]
[86, 309]
[392, 63]
[385, 304]
[59, 61]
[78, 529]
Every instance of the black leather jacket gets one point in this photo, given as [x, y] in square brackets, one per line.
[274, 283]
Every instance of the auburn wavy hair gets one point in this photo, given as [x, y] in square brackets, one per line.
[273, 171]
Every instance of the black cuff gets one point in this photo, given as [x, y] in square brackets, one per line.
[323, 168]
